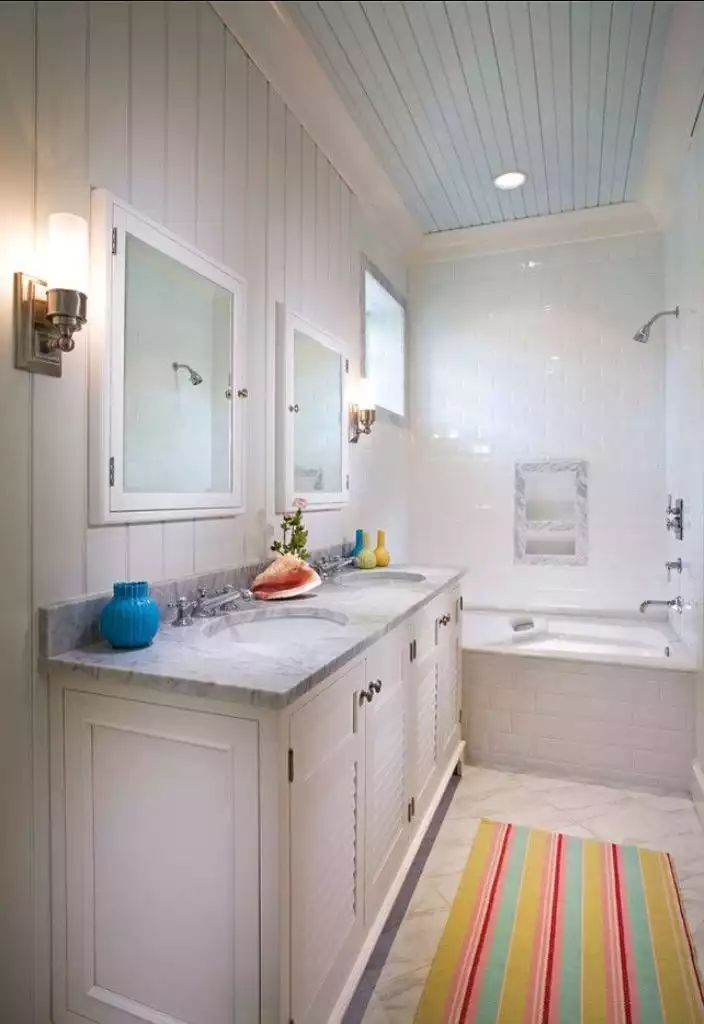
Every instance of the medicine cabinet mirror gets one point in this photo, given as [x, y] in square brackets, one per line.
[167, 374]
[312, 448]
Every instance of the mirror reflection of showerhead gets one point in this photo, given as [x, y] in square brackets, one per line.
[194, 377]
[643, 334]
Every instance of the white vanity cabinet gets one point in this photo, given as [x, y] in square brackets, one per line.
[158, 907]
[220, 863]
[384, 707]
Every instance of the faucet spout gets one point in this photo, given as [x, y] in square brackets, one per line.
[675, 602]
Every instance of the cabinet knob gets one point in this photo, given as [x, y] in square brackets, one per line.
[377, 686]
[445, 620]
[294, 408]
[366, 695]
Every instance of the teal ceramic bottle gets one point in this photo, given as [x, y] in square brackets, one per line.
[358, 543]
[131, 619]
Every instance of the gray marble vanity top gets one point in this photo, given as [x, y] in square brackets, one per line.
[201, 662]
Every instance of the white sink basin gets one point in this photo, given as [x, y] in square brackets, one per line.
[277, 625]
[379, 577]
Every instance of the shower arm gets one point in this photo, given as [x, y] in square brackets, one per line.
[665, 312]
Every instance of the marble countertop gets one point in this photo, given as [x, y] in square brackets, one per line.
[204, 660]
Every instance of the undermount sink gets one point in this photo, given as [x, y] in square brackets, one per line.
[277, 625]
[379, 577]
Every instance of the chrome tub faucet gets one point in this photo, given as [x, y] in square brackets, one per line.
[675, 602]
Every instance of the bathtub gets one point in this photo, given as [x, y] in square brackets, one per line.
[613, 640]
[590, 697]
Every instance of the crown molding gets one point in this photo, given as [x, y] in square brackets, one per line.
[281, 53]
[534, 232]
[679, 94]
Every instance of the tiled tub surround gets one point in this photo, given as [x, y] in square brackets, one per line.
[618, 723]
[529, 355]
[271, 674]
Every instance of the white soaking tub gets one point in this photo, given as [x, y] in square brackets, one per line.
[585, 696]
[586, 638]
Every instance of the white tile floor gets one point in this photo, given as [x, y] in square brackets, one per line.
[612, 815]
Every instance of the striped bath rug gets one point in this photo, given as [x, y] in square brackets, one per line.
[546, 929]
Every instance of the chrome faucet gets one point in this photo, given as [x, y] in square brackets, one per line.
[207, 605]
[675, 566]
[675, 602]
[327, 568]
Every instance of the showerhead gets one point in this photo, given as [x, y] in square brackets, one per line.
[643, 334]
[194, 377]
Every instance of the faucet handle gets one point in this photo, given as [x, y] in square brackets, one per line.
[676, 565]
[184, 609]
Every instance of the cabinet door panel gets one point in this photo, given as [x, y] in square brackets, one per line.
[449, 677]
[425, 730]
[327, 829]
[162, 876]
[386, 726]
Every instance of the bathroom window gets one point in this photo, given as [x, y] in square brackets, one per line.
[384, 342]
[551, 512]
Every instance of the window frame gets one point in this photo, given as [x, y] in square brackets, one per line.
[369, 267]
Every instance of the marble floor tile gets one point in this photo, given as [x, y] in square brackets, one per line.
[391, 988]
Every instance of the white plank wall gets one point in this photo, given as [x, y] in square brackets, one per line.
[159, 104]
[179, 121]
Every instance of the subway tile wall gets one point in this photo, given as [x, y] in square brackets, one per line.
[684, 272]
[616, 724]
[529, 354]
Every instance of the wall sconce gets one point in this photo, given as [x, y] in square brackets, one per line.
[48, 313]
[362, 412]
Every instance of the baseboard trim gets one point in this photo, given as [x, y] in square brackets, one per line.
[376, 929]
[697, 788]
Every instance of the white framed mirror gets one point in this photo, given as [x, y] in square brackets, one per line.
[168, 390]
[312, 415]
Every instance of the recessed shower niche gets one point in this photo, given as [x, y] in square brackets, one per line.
[551, 512]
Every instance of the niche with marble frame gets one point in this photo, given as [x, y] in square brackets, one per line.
[551, 512]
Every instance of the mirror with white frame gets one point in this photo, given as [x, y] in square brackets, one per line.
[167, 375]
[312, 454]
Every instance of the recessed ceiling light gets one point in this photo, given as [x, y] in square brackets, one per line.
[509, 180]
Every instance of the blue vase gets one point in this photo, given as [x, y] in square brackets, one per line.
[358, 543]
[131, 619]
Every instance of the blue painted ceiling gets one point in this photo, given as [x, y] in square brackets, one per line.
[451, 94]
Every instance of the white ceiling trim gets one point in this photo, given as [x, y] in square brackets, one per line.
[681, 87]
[534, 232]
[277, 47]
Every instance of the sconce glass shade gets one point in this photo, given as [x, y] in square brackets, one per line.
[365, 394]
[67, 257]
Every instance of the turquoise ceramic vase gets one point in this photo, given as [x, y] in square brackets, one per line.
[131, 619]
[358, 544]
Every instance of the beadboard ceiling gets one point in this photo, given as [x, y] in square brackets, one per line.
[450, 94]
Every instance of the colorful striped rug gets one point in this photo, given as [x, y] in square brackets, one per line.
[546, 928]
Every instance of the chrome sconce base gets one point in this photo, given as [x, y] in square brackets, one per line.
[45, 321]
[361, 422]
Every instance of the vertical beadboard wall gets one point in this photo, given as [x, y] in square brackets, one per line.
[158, 103]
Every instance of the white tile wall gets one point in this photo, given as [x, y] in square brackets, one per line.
[528, 354]
[623, 725]
[684, 266]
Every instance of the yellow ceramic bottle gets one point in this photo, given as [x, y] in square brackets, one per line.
[366, 559]
[383, 558]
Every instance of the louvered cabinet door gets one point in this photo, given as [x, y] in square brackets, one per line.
[424, 706]
[327, 845]
[449, 667]
[386, 727]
